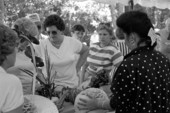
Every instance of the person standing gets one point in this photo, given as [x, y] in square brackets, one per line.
[67, 54]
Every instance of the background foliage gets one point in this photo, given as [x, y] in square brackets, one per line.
[72, 12]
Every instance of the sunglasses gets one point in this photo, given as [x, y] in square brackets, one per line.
[52, 32]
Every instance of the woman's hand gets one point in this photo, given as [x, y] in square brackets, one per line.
[90, 104]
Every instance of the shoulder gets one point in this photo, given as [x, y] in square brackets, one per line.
[70, 39]
[10, 80]
[113, 48]
[9, 83]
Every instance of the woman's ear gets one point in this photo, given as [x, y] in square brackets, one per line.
[133, 39]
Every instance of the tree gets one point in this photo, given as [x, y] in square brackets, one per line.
[2, 11]
[89, 14]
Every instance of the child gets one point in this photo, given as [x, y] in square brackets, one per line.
[78, 32]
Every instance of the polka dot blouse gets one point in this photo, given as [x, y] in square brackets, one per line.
[142, 83]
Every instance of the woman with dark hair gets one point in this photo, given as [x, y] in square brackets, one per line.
[11, 93]
[67, 54]
[142, 82]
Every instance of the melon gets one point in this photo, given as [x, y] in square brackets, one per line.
[99, 94]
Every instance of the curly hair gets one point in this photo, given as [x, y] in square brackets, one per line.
[54, 20]
[26, 26]
[8, 42]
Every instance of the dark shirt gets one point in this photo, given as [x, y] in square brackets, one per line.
[142, 83]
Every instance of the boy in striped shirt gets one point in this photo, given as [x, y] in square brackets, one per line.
[102, 55]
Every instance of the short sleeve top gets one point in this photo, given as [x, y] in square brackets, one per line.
[64, 60]
[11, 95]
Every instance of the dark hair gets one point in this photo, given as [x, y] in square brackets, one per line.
[105, 26]
[8, 42]
[136, 22]
[54, 20]
[78, 27]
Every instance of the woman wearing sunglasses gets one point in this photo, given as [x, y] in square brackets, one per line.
[67, 54]
[11, 93]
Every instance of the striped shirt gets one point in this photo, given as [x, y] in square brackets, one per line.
[122, 46]
[103, 58]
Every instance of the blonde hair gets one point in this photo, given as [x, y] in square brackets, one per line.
[27, 26]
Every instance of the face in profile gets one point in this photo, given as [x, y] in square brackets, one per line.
[104, 37]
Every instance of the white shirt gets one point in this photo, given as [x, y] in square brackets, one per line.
[23, 62]
[64, 60]
[11, 94]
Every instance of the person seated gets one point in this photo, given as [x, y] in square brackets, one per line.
[24, 27]
[11, 93]
[102, 55]
[142, 82]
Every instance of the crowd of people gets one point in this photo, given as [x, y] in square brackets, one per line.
[135, 60]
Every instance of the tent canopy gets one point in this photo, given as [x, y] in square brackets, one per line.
[162, 4]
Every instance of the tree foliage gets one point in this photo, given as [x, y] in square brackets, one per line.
[88, 14]
[72, 12]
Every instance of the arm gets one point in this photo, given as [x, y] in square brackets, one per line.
[82, 75]
[83, 56]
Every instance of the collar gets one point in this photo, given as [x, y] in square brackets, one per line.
[139, 50]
